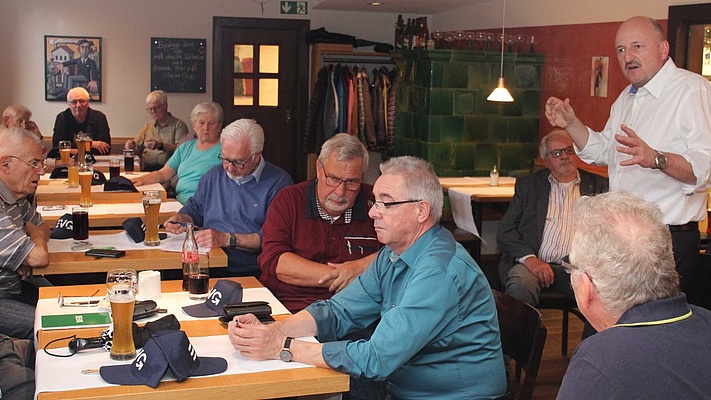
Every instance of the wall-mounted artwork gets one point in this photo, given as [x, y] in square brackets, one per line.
[72, 61]
[598, 76]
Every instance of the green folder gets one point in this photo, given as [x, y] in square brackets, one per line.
[75, 320]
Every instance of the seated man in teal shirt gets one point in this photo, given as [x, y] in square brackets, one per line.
[438, 335]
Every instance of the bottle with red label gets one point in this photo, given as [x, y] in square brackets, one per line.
[190, 254]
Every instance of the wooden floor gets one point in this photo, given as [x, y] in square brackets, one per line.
[553, 363]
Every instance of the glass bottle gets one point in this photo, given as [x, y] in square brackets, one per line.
[406, 35]
[399, 30]
[190, 254]
[425, 34]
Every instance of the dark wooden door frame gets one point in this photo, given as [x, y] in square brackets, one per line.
[679, 20]
[298, 115]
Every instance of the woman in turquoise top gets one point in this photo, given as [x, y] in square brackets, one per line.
[193, 158]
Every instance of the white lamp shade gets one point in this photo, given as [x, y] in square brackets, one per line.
[500, 94]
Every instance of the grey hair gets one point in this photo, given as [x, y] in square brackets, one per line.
[346, 147]
[13, 110]
[621, 243]
[543, 147]
[73, 92]
[12, 139]
[245, 128]
[208, 108]
[157, 96]
[420, 181]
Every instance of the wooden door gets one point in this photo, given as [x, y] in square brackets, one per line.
[260, 71]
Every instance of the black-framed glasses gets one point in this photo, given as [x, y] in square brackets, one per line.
[235, 163]
[39, 165]
[332, 181]
[383, 206]
[559, 152]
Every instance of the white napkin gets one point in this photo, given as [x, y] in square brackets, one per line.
[462, 211]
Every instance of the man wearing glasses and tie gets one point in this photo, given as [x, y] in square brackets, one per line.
[231, 200]
[318, 236]
[534, 234]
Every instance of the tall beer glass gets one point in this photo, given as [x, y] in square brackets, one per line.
[83, 141]
[73, 175]
[86, 173]
[151, 206]
[121, 290]
[65, 150]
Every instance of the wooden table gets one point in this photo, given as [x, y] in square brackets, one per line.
[258, 385]
[112, 216]
[102, 163]
[56, 192]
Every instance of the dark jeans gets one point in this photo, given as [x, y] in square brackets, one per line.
[17, 362]
[685, 245]
[17, 312]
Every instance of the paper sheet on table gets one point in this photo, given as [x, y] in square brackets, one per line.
[53, 374]
[172, 302]
[474, 181]
[121, 241]
[462, 211]
[118, 208]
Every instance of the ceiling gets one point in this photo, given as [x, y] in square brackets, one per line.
[417, 7]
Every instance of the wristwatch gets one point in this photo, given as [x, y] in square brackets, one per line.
[285, 354]
[660, 160]
[233, 240]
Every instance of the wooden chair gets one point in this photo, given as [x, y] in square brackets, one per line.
[523, 336]
[552, 299]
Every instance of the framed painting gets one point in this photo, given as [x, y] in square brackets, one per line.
[598, 76]
[72, 61]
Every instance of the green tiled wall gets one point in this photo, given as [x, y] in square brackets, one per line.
[444, 117]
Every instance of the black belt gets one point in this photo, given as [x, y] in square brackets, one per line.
[689, 226]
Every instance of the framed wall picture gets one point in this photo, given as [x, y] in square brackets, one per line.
[598, 76]
[72, 61]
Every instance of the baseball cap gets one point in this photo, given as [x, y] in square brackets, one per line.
[119, 184]
[224, 292]
[135, 229]
[164, 350]
[64, 228]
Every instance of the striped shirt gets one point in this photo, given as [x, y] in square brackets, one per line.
[15, 244]
[558, 230]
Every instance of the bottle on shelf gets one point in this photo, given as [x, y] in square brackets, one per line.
[190, 254]
[425, 34]
[399, 29]
[406, 35]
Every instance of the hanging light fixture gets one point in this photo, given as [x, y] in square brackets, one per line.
[501, 94]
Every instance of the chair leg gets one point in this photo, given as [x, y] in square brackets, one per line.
[564, 341]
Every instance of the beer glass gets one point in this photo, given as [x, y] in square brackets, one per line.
[199, 278]
[86, 174]
[121, 291]
[80, 223]
[128, 161]
[114, 168]
[151, 206]
[83, 141]
[73, 175]
[65, 149]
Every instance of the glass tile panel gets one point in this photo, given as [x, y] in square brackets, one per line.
[244, 58]
[269, 59]
[269, 92]
[244, 95]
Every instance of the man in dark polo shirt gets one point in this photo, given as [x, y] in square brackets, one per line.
[318, 236]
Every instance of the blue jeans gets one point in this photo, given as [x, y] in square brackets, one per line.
[523, 285]
[17, 312]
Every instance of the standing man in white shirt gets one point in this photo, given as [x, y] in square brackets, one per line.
[657, 141]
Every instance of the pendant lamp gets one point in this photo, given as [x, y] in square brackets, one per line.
[501, 94]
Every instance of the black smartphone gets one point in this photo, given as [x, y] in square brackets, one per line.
[101, 253]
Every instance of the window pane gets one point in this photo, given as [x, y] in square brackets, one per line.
[269, 92]
[244, 58]
[269, 59]
[244, 92]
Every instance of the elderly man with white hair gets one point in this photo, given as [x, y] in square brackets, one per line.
[231, 200]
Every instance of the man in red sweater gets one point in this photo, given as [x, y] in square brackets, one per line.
[318, 236]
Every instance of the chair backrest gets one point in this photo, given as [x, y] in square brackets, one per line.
[523, 336]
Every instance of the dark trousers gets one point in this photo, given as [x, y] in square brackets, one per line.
[685, 245]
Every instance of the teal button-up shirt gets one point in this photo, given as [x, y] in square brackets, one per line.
[438, 336]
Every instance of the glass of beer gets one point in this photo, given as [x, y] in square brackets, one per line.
[83, 141]
[121, 291]
[86, 174]
[73, 175]
[128, 161]
[114, 168]
[151, 206]
[80, 223]
[199, 278]
[65, 150]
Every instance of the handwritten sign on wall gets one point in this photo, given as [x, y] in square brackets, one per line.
[178, 65]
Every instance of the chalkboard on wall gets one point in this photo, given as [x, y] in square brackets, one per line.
[178, 65]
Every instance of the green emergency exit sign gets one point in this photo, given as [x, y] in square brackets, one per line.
[294, 7]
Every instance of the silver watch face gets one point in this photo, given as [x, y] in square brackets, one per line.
[660, 161]
[285, 355]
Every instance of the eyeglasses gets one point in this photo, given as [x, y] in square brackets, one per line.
[82, 102]
[332, 181]
[39, 165]
[558, 152]
[565, 261]
[235, 163]
[382, 206]
[154, 109]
